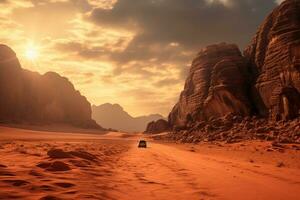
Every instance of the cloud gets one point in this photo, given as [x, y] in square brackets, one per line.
[166, 82]
[190, 23]
[172, 31]
[43, 19]
[133, 52]
[165, 36]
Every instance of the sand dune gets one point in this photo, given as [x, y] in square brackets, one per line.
[45, 165]
[59, 166]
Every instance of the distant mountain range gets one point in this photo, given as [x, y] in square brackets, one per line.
[115, 117]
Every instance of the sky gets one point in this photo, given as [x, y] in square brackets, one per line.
[136, 53]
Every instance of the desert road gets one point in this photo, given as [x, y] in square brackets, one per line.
[164, 172]
[112, 167]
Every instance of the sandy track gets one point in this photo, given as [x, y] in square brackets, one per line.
[165, 172]
[122, 171]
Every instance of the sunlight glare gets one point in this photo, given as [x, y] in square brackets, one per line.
[32, 53]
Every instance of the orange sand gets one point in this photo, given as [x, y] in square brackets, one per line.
[122, 171]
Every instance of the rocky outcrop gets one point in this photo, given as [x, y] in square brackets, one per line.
[274, 60]
[115, 117]
[229, 97]
[216, 86]
[11, 85]
[158, 126]
[39, 99]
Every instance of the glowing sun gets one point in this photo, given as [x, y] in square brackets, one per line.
[32, 53]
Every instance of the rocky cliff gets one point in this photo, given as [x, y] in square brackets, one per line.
[274, 60]
[229, 96]
[216, 86]
[29, 97]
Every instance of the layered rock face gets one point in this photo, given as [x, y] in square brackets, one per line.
[216, 86]
[33, 98]
[158, 126]
[230, 97]
[274, 59]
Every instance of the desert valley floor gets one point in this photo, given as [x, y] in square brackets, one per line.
[60, 165]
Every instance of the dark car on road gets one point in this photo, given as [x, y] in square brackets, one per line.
[142, 144]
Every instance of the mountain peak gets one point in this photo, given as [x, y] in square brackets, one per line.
[39, 99]
[6, 52]
[114, 116]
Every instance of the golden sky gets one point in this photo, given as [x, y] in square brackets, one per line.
[132, 52]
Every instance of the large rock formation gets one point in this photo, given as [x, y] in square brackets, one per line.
[158, 126]
[11, 85]
[40, 99]
[114, 116]
[274, 59]
[216, 86]
[228, 96]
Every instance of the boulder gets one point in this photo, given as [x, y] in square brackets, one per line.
[158, 126]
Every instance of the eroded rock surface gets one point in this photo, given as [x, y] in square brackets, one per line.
[216, 86]
[274, 59]
[230, 97]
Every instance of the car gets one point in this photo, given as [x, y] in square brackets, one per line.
[142, 144]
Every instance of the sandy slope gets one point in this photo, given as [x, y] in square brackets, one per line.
[111, 167]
